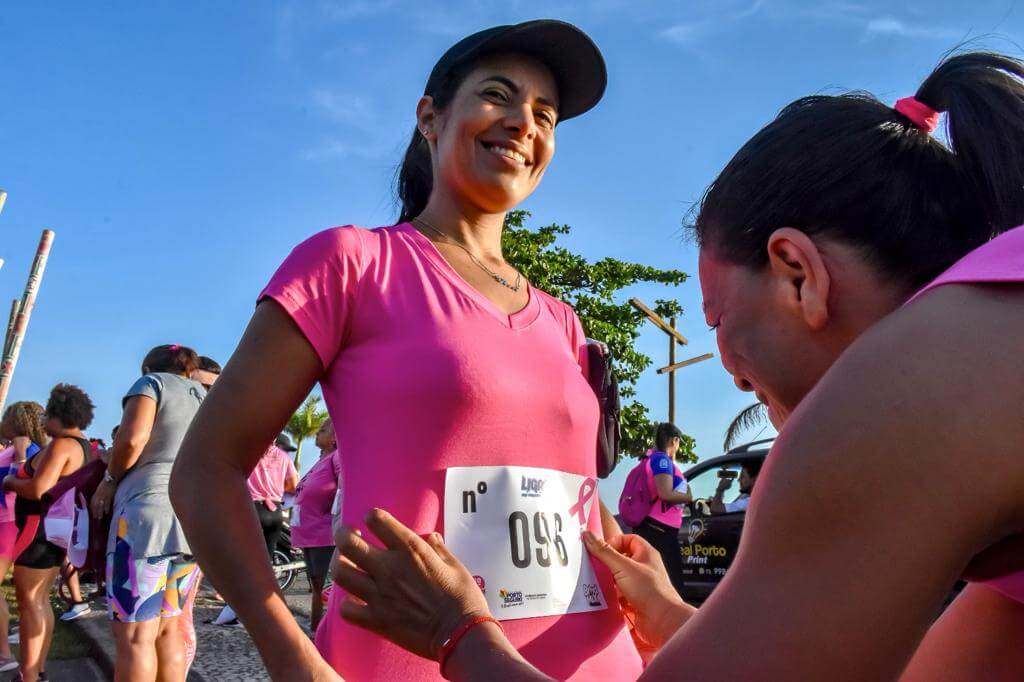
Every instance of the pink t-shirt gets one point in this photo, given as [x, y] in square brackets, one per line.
[999, 261]
[665, 512]
[313, 501]
[6, 464]
[421, 373]
[266, 482]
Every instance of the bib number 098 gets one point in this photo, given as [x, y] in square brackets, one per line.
[519, 535]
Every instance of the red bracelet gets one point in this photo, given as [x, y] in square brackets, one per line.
[465, 626]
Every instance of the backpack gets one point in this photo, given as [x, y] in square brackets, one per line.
[601, 376]
[68, 522]
[638, 494]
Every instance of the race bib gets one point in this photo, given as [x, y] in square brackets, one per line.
[517, 530]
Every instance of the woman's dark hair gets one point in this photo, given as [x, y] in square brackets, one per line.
[208, 365]
[852, 168]
[415, 178]
[71, 405]
[172, 359]
[664, 434]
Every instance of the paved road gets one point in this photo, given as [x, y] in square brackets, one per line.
[227, 654]
[224, 654]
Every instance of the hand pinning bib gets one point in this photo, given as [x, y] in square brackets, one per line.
[517, 530]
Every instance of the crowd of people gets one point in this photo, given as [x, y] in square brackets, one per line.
[863, 278]
[150, 578]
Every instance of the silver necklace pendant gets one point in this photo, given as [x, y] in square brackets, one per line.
[495, 276]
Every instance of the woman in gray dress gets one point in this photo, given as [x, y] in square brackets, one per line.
[150, 569]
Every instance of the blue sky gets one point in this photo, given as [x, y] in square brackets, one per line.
[180, 150]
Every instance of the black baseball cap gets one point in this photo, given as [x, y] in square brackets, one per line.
[285, 443]
[573, 58]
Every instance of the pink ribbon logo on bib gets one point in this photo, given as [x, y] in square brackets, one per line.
[587, 490]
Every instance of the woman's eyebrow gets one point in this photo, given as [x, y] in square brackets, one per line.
[508, 83]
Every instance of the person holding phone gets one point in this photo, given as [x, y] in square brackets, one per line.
[749, 471]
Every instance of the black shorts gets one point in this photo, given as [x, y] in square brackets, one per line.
[42, 553]
[318, 561]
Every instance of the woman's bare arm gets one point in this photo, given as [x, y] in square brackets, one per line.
[132, 435]
[896, 470]
[21, 444]
[666, 492]
[49, 465]
[291, 481]
[270, 373]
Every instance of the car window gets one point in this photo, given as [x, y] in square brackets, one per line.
[705, 483]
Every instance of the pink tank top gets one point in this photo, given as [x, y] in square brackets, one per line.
[998, 261]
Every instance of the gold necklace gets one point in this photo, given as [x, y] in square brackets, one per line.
[497, 278]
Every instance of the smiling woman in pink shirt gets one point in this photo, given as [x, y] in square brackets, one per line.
[461, 389]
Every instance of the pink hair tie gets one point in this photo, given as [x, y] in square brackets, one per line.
[173, 347]
[919, 113]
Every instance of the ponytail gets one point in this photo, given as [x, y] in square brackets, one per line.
[852, 168]
[983, 96]
[171, 358]
[415, 177]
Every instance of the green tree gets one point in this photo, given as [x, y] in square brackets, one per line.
[304, 424]
[592, 288]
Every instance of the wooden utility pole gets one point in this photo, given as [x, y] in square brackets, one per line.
[674, 337]
[3, 199]
[16, 332]
[672, 375]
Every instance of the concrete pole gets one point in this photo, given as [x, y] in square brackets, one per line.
[35, 277]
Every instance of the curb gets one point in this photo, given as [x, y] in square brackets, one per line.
[95, 630]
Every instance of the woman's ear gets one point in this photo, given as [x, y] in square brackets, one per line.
[800, 276]
[426, 117]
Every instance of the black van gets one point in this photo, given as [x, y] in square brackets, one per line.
[709, 541]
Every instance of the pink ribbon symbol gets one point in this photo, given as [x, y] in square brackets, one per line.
[587, 490]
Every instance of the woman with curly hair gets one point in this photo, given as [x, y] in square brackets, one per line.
[22, 428]
[68, 411]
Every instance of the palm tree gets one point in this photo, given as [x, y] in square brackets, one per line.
[304, 424]
[748, 418]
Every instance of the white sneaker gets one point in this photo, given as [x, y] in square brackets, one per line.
[226, 617]
[13, 638]
[8, 664]
[76, 611]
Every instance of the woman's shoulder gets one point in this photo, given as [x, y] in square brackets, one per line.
[940, 383]
[342, 253]
[561, 311]
[352, 240]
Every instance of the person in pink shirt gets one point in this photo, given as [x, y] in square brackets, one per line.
[272, 477]
[460, 387]
[22, 428]
[866, 281]
[311, 516]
